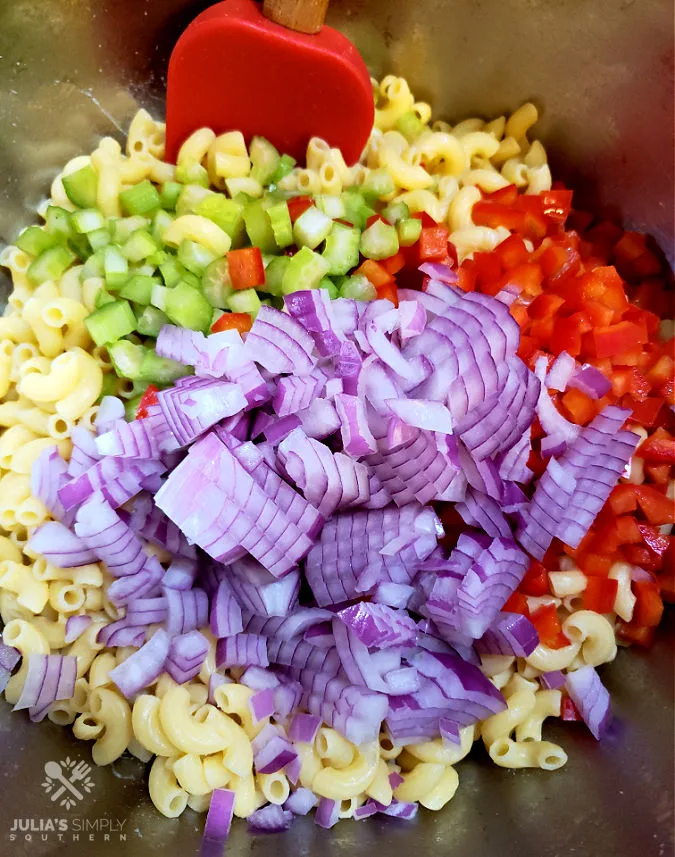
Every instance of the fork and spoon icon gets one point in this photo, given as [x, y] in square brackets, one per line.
[80, 772]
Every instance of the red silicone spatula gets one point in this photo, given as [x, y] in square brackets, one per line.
[272, 70]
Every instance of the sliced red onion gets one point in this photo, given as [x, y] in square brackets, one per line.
[357, 661]
[283, 629]
[552, 680]
[317, 313]
[262, 706]
[591, 698]
[440, 272]
[117, 479]
[449, 732]
[186, 610]
[125, 589]
[272, 753]
[287, 698]
[301, 801]
[513, 464]
[399, 809]
[57, 544]
[304, 728]
[215, 680]
[9, 656]
[552, 421]
[146, 611]
[192, 408]
[258, 678]
[111, 540]
[295, 394]
[320, 419]
[348, 365]
[423, 414]
[320, 635]
[75, 627]
[146, 438]
[143, 667]
[370, 807]
[562, 369]
[182, 345]
[110, 410]
[412, 319]
[84, 453]
[509, 634]
[379, 626]
[279, 343]
[48, 475]
[242, 650]
[49, 678]
[270, 819]
[180, 574]
[591, 381]
[327, 814]
[252, 384]
[477, 509]
[259, 592]
[357, 438]
[396, 595]
[186, 656]
[225, 613]
[219, 815]
[148, 520]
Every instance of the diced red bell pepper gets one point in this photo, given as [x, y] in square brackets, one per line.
[246, 268]
[662, 371]
[598, 564]
[394, 263]
[433, 244]
[516, 603]
[642, 556]
[240, 321]
[616, 338]
[644, 413]
[535, 582]
[567, 334]
[623, 499]
[649, 605]
[388, 291]
[657, 507]
[556, 204]
[298, 205]
[428, 221]
[376, 273]
[559, 260]
[488, 270]
[600, 594]
[512, 251]
[545, 620]
[526, 277]
[494, 214]
[658, 448]
[579, 406]
[631, 632]
[545, 305]
[655, 540]
[148, 398]
[504, 195]
[658, 473]
[568, 710]
[627, 530]
[467, 278]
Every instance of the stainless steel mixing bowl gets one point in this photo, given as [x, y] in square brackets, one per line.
[602, 72]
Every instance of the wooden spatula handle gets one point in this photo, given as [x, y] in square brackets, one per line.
[303, 16]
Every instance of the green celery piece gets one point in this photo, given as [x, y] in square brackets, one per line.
[171, 271]
[311, 228]
[131, 407]
[139, 246]
[331, 205]
[102, 298]
[246, 300]
[50, 264]
[158, 297]
[192, 280]
[192, 174]
[81, 187]
[168, 196]
[358, 287]
[195, 257]
[58, 222]
[157, 259]
[357, 210]
[258, 226]
[216, 283]
[190, 198]
[377, 184]
[150, 321]
[280, 221]
[395, 212]
[410, 125]
[226, 213]
[274, 274]
[115, 268]
[327, 284]
[160, 371]
[188, 307]
[342, 249]
[284, 168]
[409, 231]
[93, 267]
[79, 245]
[99, 238]
[87, 220]
[305, 271]
[35, 240]
[160, 223]
[107, 386]
[265, 160]
[138, 288]
[111, 322]
[379, 241]
[124, 227]
[126, 358]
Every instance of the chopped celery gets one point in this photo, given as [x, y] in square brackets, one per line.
[284, 167]
[81, 187]
[141, 198]
[311, 228]
[79, 245]
[157, 259]
[126, 358]
[331, 205]
[160, 371]
[226, 213]
[58, 222]
[94, 266]
[280, 221]
[395, 212]
[107, 386]
[99, 238]
[171, 271]
[358, 287]
[158, 297]
[327, 284]
[305, 271]
[342, 249]
[169, 194]
[195, 257]
[50, 264]
[258, 226]
[160, 223]
[150, 321]
[187, 307]
[140, 245]
[35, 240]
[377, 184]
[265, 160]
[191, 197]
[192, 280]
[138, 289]
[246, 300]
[409, 231]
[194, 174]
[111, 322]
[410, 125]
[216, 283]
[274, 274]
[87, 220]
[357, 211]
[102, 298]
[124, 227]
[115, 268]
[379, 241]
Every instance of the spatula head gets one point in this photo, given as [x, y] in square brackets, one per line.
[232, 69]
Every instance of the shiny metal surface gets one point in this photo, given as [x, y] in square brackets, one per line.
[602, 71]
